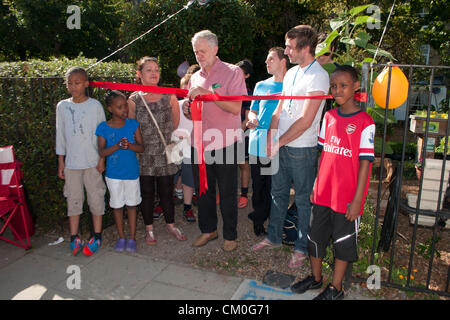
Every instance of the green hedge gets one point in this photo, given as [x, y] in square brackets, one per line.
[27, 121]
[57, 67]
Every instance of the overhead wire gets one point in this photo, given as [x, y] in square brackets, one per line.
[142, 35]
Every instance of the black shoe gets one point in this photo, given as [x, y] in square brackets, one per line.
[306, 284]
[259, 230]
[330, 293]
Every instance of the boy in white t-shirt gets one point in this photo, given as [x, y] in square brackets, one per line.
[79, 163]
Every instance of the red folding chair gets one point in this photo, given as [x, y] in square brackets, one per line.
[14, 212]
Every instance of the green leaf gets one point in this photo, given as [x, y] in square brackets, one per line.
[321, 49]
[365, 19]
[369, 60]
[337, 23]
[362, 39]
[331, 37]
[348, 40]
[324, 46]
[329, 67]
[356, 10]
[372, 49]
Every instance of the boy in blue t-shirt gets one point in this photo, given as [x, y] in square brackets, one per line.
[118, 140]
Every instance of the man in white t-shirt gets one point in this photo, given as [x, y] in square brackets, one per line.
[293, 135]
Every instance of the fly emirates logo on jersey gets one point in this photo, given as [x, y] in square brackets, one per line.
[333, 147]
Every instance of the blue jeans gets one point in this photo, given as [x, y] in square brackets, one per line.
[297, 166]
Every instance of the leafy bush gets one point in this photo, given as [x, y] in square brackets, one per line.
[58, 67]
[27, 119]
[410, 148]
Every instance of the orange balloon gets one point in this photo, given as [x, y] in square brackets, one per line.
[398, 91]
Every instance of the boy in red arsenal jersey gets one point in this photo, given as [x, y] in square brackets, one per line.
[341, 186]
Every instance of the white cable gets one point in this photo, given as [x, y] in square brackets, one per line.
[148, 31]
[385, 27]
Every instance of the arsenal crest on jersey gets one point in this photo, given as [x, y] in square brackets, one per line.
[350, 128]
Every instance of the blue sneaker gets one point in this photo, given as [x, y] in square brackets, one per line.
[92, 246]
[76, 245]
[120, 245]
[131, 245]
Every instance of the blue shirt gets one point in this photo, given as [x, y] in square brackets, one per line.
[123, 163]
[265, 109]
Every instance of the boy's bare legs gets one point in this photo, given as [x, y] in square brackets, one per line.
[74, 223]
[131, 211]
[178, 184]
[118, 218]
[340, 267]
[97, 222]
[316, 267]
[188, 192]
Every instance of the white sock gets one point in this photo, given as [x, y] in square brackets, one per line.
[179, 193]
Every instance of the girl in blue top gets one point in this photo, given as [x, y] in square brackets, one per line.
[118, 140]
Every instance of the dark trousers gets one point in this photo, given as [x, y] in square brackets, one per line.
[164, 186]
[261, 184]
[224, 173]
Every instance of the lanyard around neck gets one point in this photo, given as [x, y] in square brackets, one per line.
[309, 66]
[293, 83]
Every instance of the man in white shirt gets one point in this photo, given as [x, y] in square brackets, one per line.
[293, 135]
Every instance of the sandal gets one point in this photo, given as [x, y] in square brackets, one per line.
[265, 244]
[150, 237]
[297, 259]
[176, 233]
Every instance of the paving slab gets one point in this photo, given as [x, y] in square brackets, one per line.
[39, 292]
[30, 270]
[200, 280]
[162, 291]
[9, 253]
[115, 276]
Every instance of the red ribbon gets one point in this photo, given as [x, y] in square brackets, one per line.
[182, 93]
[196, 111]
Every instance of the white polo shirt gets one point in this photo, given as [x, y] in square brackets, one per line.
[298, 82]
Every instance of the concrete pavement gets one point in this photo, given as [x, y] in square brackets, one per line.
[51, 273]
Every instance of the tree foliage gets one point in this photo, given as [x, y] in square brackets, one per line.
[39, 28]
[246, 29]
[228, 19]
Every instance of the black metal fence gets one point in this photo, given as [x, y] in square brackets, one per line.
[420, 267]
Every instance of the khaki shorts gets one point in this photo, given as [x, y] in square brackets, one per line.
[76, 181]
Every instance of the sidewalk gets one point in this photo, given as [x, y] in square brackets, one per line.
[51, 273]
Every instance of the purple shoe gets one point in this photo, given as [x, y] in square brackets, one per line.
[131, 245]
[120, 245]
